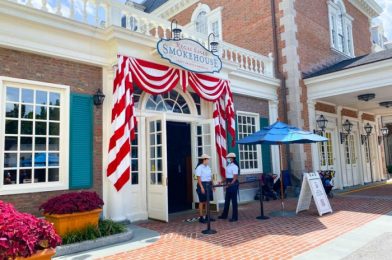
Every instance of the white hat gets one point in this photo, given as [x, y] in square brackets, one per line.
[205, 156]
[231, 155]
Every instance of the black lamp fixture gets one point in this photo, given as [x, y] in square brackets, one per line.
[347, 126]
[213, 45]
[384, 131]
[321, 124]
[386, 104]
[366, 97]
[176, 32]
[368, 129]
[98, 97]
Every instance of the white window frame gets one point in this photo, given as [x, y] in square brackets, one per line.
[63, 183]
[259, 169]
[334, 8]
[212, 16]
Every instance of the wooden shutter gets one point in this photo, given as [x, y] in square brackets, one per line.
[265, 149]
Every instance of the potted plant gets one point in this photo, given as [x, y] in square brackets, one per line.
[23, 236]
[73, 211]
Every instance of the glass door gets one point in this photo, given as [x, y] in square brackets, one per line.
[157, 193]
[327, 157]
[352, 176]
[203, 141]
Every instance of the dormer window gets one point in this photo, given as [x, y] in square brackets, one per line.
[206, 21]
[340, 23]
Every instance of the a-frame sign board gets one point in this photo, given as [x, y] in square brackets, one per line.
[312, 187]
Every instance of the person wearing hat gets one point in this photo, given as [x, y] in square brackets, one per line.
[232, 171]
[204, 185]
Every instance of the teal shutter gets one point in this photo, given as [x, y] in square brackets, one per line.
[81, 141]
[265, 149]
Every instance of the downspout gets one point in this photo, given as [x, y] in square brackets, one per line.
[279, 75]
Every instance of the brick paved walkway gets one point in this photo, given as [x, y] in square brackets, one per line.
[276, 238]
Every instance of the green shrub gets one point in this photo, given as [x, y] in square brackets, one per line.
[389, 167]
[105, 228]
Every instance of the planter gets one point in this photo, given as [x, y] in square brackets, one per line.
[64, 223]
[45, 254]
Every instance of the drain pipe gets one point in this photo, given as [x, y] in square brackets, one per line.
[280, 76]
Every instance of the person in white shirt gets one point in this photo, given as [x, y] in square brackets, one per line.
[232, 171]
[204, 185]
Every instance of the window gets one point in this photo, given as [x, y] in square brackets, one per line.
[249, 155]
[326, 151]
[201, 22]
[206, 21]
[340, 28]
[33, 124]
[135, 159]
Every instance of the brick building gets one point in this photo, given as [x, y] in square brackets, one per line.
[317, 64]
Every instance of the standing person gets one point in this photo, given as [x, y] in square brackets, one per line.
[204, 177]
[232, 171]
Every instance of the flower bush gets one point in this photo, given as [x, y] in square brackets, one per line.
[22, 235]
[72, 203]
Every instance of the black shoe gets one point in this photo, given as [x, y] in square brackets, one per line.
[202, 220]
[222, 217]
[233, 220]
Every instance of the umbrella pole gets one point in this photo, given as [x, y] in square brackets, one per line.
[281, 177]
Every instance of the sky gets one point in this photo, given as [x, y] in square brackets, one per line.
[386, 17]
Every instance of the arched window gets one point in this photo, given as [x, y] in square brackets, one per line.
[201, 22]
[173, 102]
[340, 27]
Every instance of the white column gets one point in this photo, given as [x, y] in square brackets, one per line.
[312, 125]
[341, 154]
[379, 150]
[362, 150]
[273, 117]
[113, 207]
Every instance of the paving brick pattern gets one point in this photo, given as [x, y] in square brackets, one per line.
[276, 238]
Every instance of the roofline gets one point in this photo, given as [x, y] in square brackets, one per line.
[369, 7]
[173, 7]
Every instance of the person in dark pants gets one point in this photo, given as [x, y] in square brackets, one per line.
[232, 171]
[204, 185]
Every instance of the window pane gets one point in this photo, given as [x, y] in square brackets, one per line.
[10, 160]
[159, 178]
[12, 94]
[12, 110]
[53, 174]
[26, 128]
[53, 159]
[11, 143]
[27, 111]
[27, 96]
[26, 143]
[40, 159]
[25, 160]
[135, 178]
[153, 178]
[11, 126]
[54, 129]
[54, 113]
[39, 175]
[25, 176]
[54, 99]
[40, 144]
[9, 177]
[41, 97]
[54, 144]
[40, 128]
[40, 112]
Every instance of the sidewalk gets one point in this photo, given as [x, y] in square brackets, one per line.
[276, 238]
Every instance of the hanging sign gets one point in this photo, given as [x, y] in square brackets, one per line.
[190, 55]
[313, 187]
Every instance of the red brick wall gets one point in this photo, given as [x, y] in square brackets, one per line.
[314, 37]
[244, 23]
[325, 108]
[349, 113]
[368, 117]
[82, 79]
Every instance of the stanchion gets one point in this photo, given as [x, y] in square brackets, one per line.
[208, 231]
[261, 217]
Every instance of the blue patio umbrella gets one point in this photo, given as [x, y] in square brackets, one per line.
[280, 133]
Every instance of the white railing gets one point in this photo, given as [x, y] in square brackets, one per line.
[105, 13]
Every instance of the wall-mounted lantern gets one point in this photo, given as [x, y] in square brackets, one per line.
[98, 97]
[347, 127]
[321, 124]
[213, 45]
[176, 32]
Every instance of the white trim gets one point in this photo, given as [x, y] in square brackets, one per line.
[64, 137]
[172, 7]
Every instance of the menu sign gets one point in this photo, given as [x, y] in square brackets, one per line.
[190, 55]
